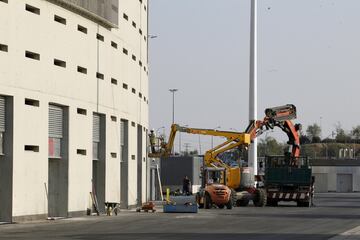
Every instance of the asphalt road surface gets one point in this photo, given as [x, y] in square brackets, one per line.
[333, 215]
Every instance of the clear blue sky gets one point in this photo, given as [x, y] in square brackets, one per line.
[309, 55]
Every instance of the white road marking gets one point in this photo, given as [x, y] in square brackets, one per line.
[185, 216]
[350, 234]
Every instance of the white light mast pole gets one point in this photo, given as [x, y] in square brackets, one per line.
[253, 83]
[173, 91]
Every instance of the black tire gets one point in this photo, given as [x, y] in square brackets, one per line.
[233, 197]
[260, 198]
[230, 204]
[221, 206]
[198, 198]
[242, 202]
[207, 201]
[303, 204]
[272, 203]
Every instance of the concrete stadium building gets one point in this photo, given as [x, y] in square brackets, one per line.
[73, 106]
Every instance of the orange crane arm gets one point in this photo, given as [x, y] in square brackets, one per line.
[279, 117]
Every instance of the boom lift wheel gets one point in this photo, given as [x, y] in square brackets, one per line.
[260, 197]
[242, 202]
[207, 201]
[198, 200]
[229, 205]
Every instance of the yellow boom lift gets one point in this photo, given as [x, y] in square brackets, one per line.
[275, 117]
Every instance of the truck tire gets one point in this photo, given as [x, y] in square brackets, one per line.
[207, 201]
[272, 203]
[229, 204]
[198, 198]
[233, 197]
[242, 202]
[260, 197]
[303, 204]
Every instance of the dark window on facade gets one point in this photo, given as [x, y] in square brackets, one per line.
[100, 37]
[140, 95]
[59, 19]
[125, 17]
[114, 44]
[82, 70]
[32, 9]
[82, 29]
[133, 90]
[140, 63]
[3, 47]
[81, 111]
[32, 55]
[133, 57]
[125, 51]
[125, 86]
[4, 1]
[113, 155]
[113, 118]
[31, 148]
[59, 63]
[32, 102]
[100, 76]
[140, 31]
[81, 152]
[134, 24]
[114, 81]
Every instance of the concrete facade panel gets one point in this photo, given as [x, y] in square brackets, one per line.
[40, 80]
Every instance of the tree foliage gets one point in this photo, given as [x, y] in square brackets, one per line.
[356, 132]
[269, 146]
[341, 135]
[313, 132]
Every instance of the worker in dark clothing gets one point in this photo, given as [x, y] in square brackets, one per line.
[186, 185]
[152, 140]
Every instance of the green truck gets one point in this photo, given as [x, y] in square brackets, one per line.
[288, 179]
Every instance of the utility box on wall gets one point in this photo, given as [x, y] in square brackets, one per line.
[174, 169]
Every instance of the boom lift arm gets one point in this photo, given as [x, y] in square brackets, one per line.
[274, 117]
[235, 138]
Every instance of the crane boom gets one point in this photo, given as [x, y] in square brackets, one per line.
[274, 117]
